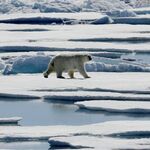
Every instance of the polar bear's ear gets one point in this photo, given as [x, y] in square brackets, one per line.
[90, 57]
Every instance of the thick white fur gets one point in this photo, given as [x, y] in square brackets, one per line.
[68, 63]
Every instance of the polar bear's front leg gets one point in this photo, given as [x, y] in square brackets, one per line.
[83, 72]
[59, 74]
[71, 74]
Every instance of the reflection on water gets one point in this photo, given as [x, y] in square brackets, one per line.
[25, 146]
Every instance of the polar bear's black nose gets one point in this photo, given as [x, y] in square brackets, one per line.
[90, 58]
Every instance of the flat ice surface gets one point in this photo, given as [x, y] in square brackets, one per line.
[120, 86]
[35, 133]
[99, 38]
[116, 106]
[77, 15]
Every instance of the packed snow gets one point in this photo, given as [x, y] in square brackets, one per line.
[57, 18]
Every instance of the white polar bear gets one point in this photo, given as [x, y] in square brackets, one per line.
[68, 63]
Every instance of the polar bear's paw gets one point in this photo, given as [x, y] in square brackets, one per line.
[45, 75]
[87, 77]
[60, 77]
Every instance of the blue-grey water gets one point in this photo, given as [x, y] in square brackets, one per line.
[45, 113]
[42, 113]
[25, 146]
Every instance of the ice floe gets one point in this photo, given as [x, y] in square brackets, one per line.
[82, 96]
[142, 10]
[121, 13]
[108, 86]
[12, 120]
[96, 143]
[116, 106]
[115, 39]
[39, 133]
[106, 38]
[145, 20]
[17, 96]
[57, 18]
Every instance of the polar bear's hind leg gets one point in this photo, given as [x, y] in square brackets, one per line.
[49, 70]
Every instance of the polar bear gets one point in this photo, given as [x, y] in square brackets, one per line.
[68, 63]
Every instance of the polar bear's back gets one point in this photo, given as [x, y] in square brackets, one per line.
[71, 57]
[69, 61]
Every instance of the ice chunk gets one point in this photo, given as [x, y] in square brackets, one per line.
[12, 120]
[24, 6]
[121, 13]
[28, 64]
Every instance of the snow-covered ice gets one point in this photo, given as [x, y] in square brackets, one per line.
[116, 86]
[89, 27]
[28, 64]
[112, 128]
[57, 38]
[105, 41]
[94, 142]
[34, 6]
[121, 13]
[38, 63]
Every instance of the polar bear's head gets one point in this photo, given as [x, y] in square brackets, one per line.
[87, 58]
